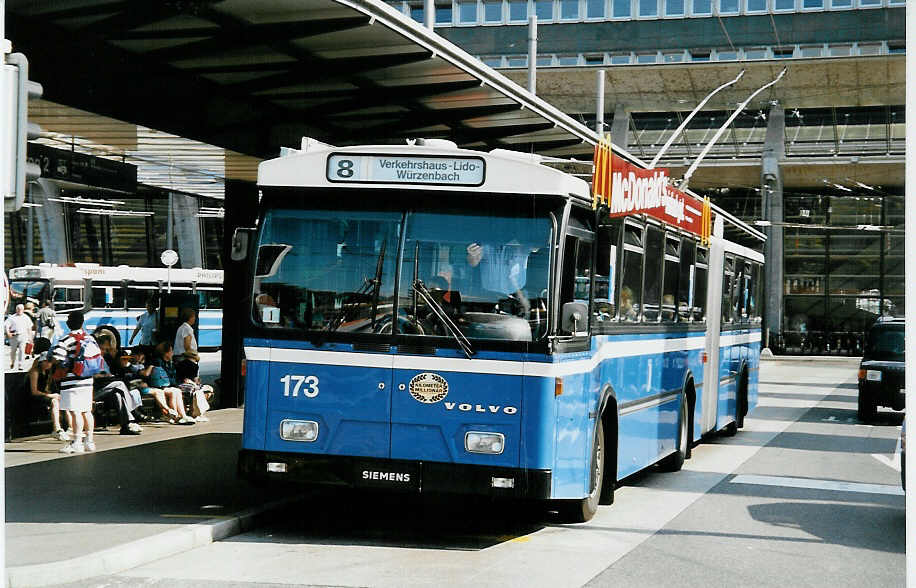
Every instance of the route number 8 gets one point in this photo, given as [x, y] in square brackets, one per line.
[345, 168]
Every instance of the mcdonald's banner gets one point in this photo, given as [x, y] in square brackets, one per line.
[627, 189]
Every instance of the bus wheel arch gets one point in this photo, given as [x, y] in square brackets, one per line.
[675, 461]
[741, 397]
[690, 394]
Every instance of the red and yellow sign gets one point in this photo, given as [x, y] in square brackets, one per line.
[627, 189]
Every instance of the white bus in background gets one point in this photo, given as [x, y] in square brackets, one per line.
[112, 297]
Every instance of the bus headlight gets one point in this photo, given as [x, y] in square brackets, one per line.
[480, 442]
[291, 430]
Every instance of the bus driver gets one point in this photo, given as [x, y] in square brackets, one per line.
[503, 269]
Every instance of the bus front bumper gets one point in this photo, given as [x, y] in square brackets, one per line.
[408, 476]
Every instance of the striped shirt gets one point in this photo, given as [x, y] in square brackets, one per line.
[66, 353]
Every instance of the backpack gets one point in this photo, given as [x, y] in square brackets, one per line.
[86, 366]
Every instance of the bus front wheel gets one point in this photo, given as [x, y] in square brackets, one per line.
[583, 509]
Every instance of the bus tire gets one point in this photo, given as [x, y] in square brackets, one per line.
[675, 461]
[741, 408]
[609, 484]
[583, 509]
[867, 408]
[108, 329]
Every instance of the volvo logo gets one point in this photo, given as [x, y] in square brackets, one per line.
[428, 388]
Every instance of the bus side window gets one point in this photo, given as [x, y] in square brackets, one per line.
[754, 289]
[685, 285]
[68, 298]
[604, 308]
[700, 285]
[652, 288]
[728, 272]
[631, 274]
[670, 278]
[746, 293]
[107, 296]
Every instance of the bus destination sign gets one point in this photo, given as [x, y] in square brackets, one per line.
[405, 169]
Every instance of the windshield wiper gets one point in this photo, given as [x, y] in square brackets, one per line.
[423, 292]
[373, 285]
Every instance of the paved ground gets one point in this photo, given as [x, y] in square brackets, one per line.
[803, 496]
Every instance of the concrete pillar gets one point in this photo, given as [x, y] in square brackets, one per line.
[241, 206]
[771, 193]
[187, 230]
[620, 128]
[52, 227]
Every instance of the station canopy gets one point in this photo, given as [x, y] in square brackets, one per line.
[251, 76]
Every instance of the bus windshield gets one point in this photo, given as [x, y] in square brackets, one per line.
[328, 270]
[22, 291]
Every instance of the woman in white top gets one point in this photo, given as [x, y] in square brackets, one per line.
[185, 344]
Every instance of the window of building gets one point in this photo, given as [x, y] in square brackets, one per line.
[567, 60]
[674, 7]
[648, 8]
[896, 46]
[869, 3]
[646, 58]
[493, 11]
[811, 51]
[727, 55]
[443, 14]
[702, 7]
[869, 48]
[841, 3]
[812, 4]
[728, 6]
[621, 8]
[896, 2]
[518, 10]
[545, 60]
[839, 50]
[492, 61]
[620, 59]
[416, 12]
[758, 53]
[594, 59]
[783, 5]
[673, 57]
[594, 8]
[467, 12]
[544, 10]
[699, 54]
[517, 61]
[783, 52]
[569, 9]
[756, 5]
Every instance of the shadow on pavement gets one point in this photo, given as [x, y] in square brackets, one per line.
[167, 481]
[878, 528]
[353, 517]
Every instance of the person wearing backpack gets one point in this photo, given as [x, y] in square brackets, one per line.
[80, 358]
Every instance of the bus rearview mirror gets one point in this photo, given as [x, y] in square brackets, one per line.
[574, 318]
[240, 238]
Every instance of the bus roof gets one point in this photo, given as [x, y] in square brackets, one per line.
[81, 271]
[425, 165]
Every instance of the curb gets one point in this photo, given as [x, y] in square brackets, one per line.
[141, 551]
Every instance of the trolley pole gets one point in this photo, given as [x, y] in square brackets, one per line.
[429, 14]
[532, 53]
[599, 107]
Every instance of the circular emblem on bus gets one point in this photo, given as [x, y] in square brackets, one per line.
[428, 388]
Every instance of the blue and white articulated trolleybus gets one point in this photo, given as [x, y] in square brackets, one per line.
[434, 319]
[112, 297]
